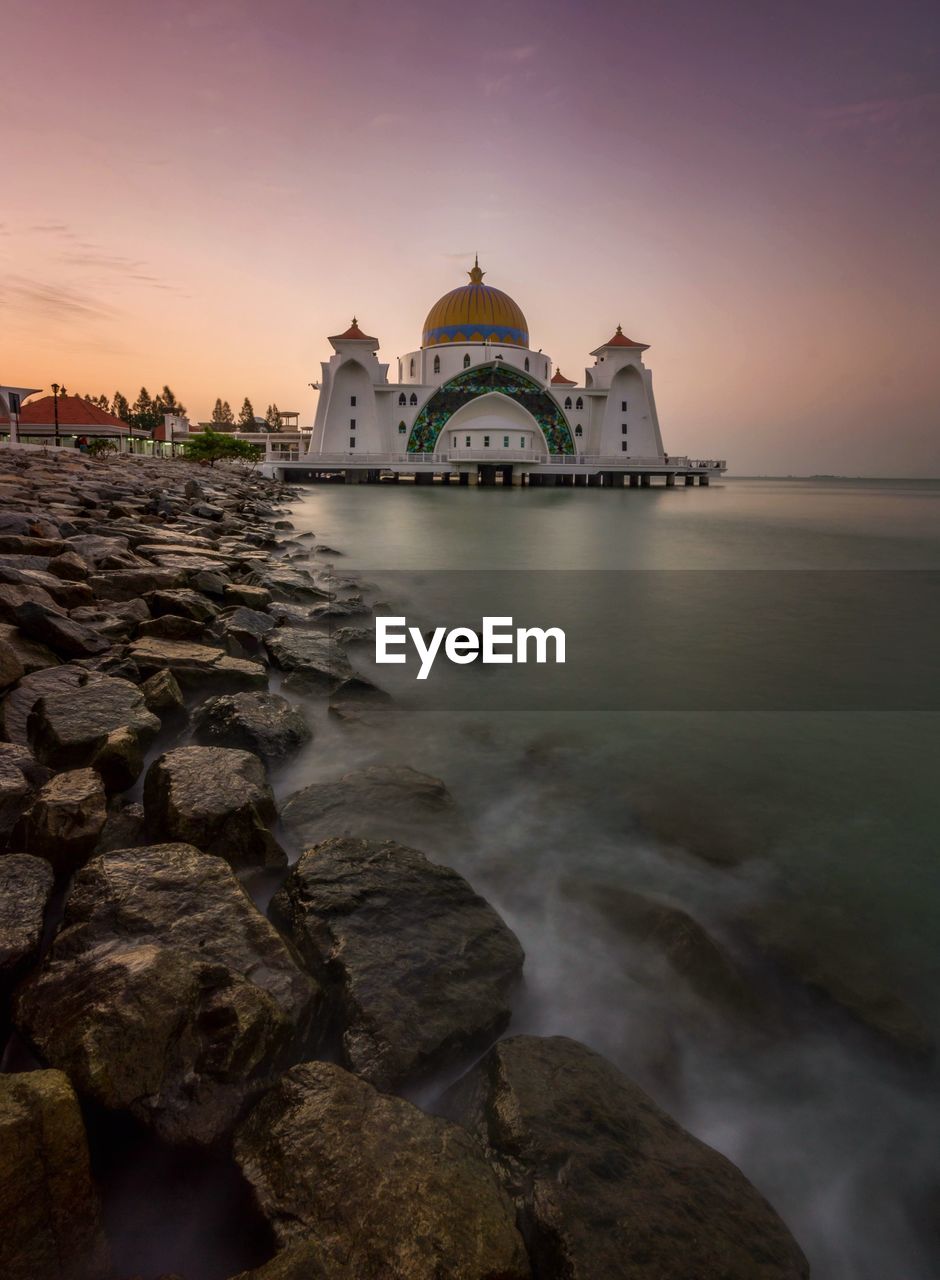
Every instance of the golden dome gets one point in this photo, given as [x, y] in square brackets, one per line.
[473, 313]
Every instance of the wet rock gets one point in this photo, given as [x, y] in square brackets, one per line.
[197, 665]
[65, 819]
[48, 1203]
[167, 993]
[243, 631]
[206, 511]
[605, 1183]
[32, 656]
[687, 947]
[182, 603]
[217, 799]
[170, 626]
[130, 584]
[14, 594]
[124, 828]
[163, 695]
[18, 544]
[69, 565]
[19, 702]
[417, 966]
[252, 597]
[106, 724]
[94, 548]
[817, 947]
[25, 887]
[64, 636]
[439, 1214]
[314, 654]
[15, 793]
[11, 665]
[209, 580]
[382, 800]
[104, 622]
[264, 723]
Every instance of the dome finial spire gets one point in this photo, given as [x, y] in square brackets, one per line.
[475, 274]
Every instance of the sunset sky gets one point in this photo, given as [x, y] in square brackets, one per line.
[199, 192]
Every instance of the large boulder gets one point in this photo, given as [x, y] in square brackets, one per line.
[817, 946]
[11, 665]
[15, 788]
[106, 724]
[196, 665]
[167, 993]
[25, 887]
[182, 603]
[20, 700]
[360, 1186]
[677, 937]
[381, 800]
[64, 636]
[65, 819]
[130, 584]
[32, 656]
[316, 662]
[264, 723]
[418, 967]
[49, 1206]
[216, 798]
[605, 1183]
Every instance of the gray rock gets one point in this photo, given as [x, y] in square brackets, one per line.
[243, 631]
[217, 799]
[605, 1183]
[48, 1202]
[25, 887]
[417, 966]
[167, 993]
[264, 723]
[105, 725]
[64, 636]
[65, 819]
[382, 800]
[409, 1198]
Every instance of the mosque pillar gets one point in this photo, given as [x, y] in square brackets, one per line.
[671, 480]
[703, 480]
[634, 480]
[465, 478]
[646, 480]
[689, 481]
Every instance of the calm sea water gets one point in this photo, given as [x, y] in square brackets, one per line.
[835, 809]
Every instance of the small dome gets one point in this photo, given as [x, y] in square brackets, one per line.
[473, 313]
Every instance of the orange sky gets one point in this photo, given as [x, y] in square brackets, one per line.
[198, 193]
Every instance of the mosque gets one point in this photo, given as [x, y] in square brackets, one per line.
[476, 401]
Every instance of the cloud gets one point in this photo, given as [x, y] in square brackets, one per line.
[52, 302]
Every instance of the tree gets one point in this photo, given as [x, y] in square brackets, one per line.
[145, 413]
[272, 419]
[168, 403]
[222, 413]
[246, 418]
[120, 408]
[212, 446]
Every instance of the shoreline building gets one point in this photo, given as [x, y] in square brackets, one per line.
[476, 400]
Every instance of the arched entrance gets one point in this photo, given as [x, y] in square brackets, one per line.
[487, 380]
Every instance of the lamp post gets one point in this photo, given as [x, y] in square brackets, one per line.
[55, 410]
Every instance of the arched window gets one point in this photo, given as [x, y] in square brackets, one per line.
[579, 403]
[546, 369]
[578, 431]
[412, 368]
[567, 402]
[527, 364]
[402, 428]
[437, 364]
[403, 399]
[414, 398]
[466, 362]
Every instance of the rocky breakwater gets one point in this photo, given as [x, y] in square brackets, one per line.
[145, 608]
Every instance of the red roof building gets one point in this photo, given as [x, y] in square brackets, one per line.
[559, 380]
[77, 416]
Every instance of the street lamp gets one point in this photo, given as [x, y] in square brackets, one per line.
[55, 410]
